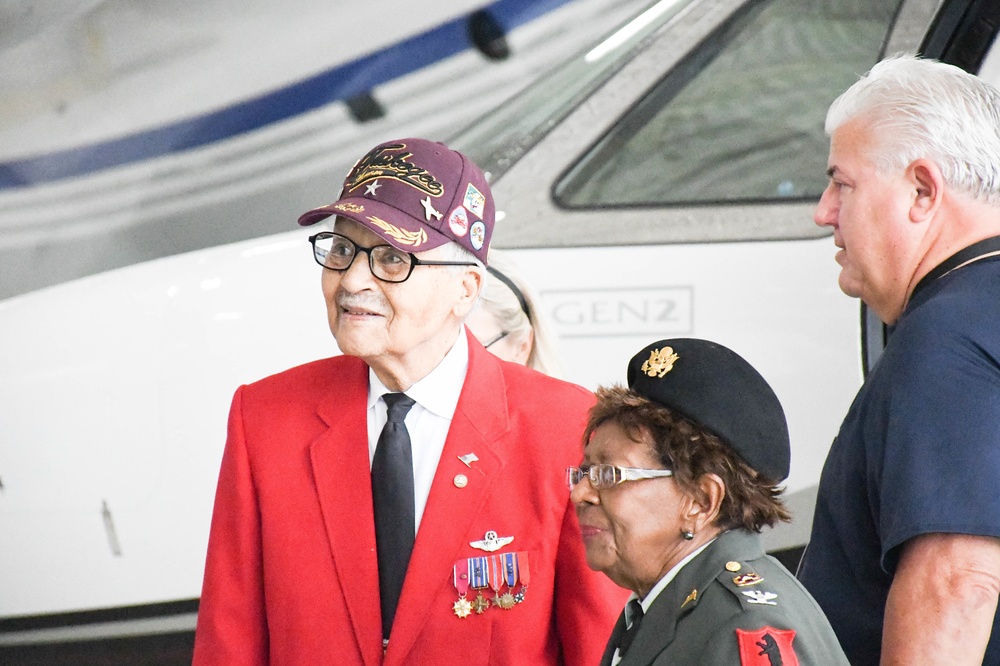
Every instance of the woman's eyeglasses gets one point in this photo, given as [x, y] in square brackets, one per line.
[607, 476]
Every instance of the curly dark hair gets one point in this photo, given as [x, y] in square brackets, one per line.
[751, 500]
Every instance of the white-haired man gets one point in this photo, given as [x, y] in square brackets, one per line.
[403, 503]
[904, 556]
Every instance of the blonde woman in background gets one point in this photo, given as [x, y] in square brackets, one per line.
[509, 321]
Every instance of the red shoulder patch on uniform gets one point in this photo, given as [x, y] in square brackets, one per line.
[767, 647]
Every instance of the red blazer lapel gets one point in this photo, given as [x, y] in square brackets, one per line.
[480, 420]
[340, 465]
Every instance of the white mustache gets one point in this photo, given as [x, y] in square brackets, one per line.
[372, 303]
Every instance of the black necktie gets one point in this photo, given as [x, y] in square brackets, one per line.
[633, 613]
[392, 495]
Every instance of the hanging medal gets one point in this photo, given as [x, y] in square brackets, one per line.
[460, 577]
[496, 569]
[523, 574]
[479, 574]
[508, 566]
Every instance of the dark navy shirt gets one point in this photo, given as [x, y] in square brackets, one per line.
[919, 452]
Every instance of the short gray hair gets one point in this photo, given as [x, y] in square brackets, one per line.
[452, 251]
[923, 108]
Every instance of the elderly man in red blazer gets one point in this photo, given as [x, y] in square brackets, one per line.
[404, 503]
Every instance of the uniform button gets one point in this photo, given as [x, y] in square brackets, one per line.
[461, 481]
[733, 566]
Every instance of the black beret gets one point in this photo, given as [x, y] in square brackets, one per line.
[717, 389]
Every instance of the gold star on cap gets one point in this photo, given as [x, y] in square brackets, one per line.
[660, 362]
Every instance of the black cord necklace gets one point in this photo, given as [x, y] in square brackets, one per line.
[987, 247]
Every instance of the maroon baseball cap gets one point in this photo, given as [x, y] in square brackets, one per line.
[417, 195]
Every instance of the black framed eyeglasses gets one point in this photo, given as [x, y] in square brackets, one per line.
[602, 477]
[337, 253]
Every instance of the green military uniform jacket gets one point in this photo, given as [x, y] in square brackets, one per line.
[732, 604]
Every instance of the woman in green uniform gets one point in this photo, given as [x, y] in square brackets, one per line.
[679, 475]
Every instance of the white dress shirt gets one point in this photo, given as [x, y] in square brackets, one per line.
[427, 422]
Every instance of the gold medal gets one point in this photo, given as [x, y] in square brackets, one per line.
[460, 578]
[506, 601]
[462, 607]
[480, 604]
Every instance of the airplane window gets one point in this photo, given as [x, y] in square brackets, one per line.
[498, 139]
[741, 119]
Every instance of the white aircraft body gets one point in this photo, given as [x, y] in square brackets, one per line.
[114, 387]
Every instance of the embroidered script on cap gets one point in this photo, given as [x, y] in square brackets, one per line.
[660, 362]
[381, 163]
[350, 208]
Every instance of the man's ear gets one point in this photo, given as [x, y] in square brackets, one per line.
[472, 284]
[928, 187]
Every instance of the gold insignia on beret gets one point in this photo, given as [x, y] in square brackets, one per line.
[414, 238]
[748, 579]
[691, 597]
[660, 362]
[350, 208]
[733, 566]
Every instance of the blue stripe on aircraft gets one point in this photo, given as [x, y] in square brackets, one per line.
[338, 83]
